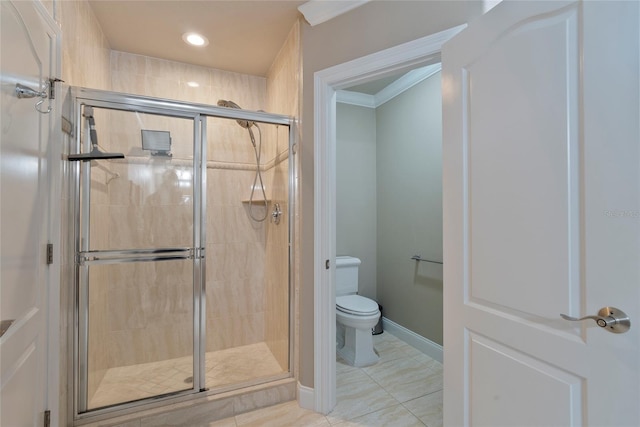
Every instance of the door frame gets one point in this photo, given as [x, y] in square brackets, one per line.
[54, 165]
[123, 102]
[327, 82]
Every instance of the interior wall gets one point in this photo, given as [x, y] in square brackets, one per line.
[370, 28]
[409, 173]
[389, 189]
[395, 22]
[283, 97]
[235, 244]
[356, 192]
[149, 305]
[85, 49]
[237, 248]
[85, 63]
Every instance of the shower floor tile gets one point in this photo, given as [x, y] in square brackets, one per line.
[223, 367]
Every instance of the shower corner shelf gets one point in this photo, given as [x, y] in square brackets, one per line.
[257, 202]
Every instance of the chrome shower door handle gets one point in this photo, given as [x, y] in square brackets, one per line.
[610, 318]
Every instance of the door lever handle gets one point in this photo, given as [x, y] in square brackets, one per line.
[612, 319]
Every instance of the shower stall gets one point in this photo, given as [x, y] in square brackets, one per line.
[181, 239]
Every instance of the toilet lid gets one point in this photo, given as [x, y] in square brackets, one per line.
[356, 304]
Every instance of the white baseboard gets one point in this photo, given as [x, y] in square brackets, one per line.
[421, 343]
[306, 397]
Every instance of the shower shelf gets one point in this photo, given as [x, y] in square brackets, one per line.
[257, 202]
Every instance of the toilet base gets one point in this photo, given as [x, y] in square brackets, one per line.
[358, 347]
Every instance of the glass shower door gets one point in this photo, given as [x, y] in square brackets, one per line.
[248, 248]
[139, 259]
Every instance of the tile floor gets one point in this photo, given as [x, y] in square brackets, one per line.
[224, 367]
[404, 389]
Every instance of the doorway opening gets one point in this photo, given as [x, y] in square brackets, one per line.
[421, 52]
[389, 216]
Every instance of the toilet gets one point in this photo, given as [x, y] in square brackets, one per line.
[355, 316]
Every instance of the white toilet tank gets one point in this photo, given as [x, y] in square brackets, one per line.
[347, 275]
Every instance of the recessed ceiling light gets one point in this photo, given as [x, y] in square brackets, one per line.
[193, 84]
[195, 39]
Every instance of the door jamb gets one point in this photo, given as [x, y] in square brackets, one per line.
[326, 82]
[54, 401]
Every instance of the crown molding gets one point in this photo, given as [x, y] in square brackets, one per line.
[356, 98]
[319, 11]
[404, 83]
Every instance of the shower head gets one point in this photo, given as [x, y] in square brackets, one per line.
[95, 153]
[230, 104]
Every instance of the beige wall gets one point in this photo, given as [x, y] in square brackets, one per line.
[247, 269]
[389, 190]
[409, 172]
[373, 27]
[356, 214]
[147, 315]
[235, 244]
[368, 29]
[283, 88]
[86, 63]
[85, 50]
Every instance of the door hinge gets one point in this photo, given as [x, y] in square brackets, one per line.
[47, 418]
[52, 86]
[49, 253]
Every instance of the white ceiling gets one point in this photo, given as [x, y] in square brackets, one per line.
[244, 35]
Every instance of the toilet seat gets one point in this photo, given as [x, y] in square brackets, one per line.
[356, 305]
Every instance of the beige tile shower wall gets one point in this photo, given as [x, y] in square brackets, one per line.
[86, 63]
[283, 78]
[98, 361]
[149, 304]
[227, 141]
[235, 244]
[235, 262]
[144, 75]
[277, 269]
[85, 50]
[151, 317]
[283, 83]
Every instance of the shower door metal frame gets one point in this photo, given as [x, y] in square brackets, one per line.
[82, 255]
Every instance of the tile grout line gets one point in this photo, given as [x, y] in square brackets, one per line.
[416, 358]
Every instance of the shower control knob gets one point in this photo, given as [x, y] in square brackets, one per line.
[276, 214]
[612, 319]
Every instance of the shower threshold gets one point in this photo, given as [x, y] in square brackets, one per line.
[223, 368]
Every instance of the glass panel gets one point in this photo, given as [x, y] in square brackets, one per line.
[140, 318]
[146, 199]
[140, 331]
[247, 280]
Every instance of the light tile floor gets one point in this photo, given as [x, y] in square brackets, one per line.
[404, 389]
[223, 367]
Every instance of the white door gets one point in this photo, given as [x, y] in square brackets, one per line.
[28, 46]
[542, 215]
